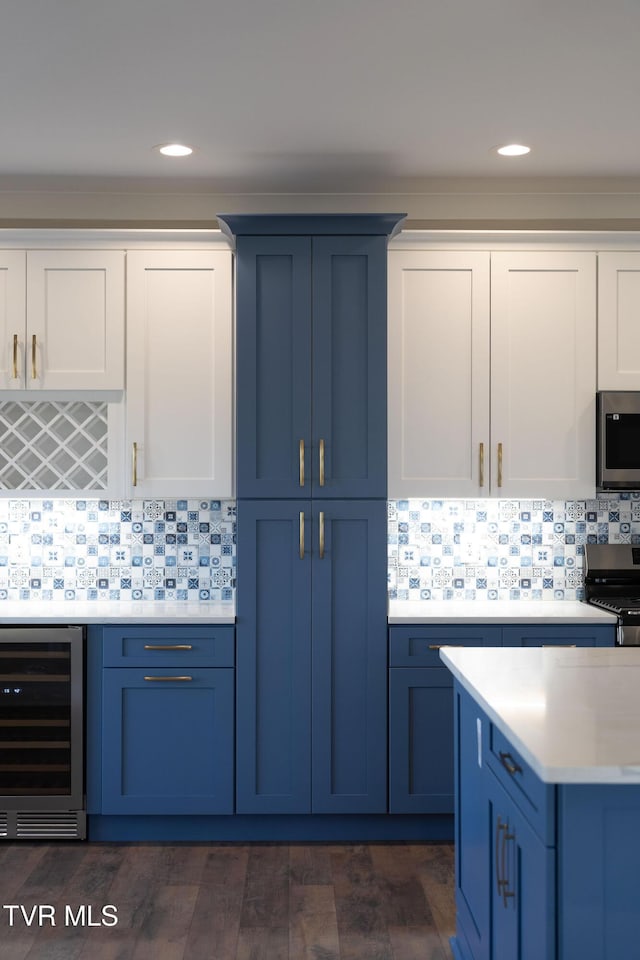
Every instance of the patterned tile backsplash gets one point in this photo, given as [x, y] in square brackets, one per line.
[117, 550]
[501, 549]
[186, 549]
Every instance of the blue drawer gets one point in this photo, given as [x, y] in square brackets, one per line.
[168, 646]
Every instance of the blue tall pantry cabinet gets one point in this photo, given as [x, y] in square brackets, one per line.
[311, 483]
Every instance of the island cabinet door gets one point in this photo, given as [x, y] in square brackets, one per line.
[472, 830]
[522, 884]
[598, 857]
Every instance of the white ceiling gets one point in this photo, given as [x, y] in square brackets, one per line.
[315, 95]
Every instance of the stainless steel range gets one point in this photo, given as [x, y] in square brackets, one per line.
[612, 582]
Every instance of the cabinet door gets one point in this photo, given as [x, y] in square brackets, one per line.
[179, 373]
[349, 667]
[167, 741]
[438, 373]
[618, 327]
[349, 312]
[420, 740]
[543, 374]
[273, 277]
[522, 884]
[273, 630]
[472, 830]
[75, 320]
[12, 318]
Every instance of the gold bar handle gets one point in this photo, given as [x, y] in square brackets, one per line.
[34, 371]
[481, 457]
[134, 464]
[168, 646]
[301, 466]
[321, 446]
[499, 464]
[15, 356]
[321, 528]
[497, 860]
[301, 535]
[155, 679]
[506, 893]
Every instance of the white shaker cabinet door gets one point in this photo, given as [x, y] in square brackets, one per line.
[438, 373]
[179, 373]
[619, 321]
[12, 317]
[74, 337]
[543, 374]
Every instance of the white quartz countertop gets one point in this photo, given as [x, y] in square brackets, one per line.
[496, 611]
[572, 713]
[115, 611]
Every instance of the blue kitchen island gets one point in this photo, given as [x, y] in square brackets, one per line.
[547, 803]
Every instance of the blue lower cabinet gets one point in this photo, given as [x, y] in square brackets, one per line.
[167, 741]
[559, 635]
[311, 657]
[420, 740]
[472, 833]
[522, 884]
[421, 714]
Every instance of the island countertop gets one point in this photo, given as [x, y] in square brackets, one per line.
[496, 611]
[573, 714]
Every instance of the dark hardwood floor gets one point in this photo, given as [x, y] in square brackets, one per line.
[226, 902]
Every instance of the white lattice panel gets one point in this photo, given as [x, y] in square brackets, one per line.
[51, 445]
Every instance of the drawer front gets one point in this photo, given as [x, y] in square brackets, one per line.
[559, 635]
[533, 797]
[419, 646]
[168, 646]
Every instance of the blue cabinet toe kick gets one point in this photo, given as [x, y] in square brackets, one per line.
[245, 829]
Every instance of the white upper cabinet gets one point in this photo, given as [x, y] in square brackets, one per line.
[62, 320]
[543, 374]
[619, 321]
[492, 374]
[179, 419]
[438, 373]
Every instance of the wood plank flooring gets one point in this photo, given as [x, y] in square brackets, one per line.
[227, 901]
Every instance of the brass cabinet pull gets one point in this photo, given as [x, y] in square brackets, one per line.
[134, 464]
[168, 646]
[510, 765]
[499, 464]
[506, 893]
[301, 466]
[34, 371]
[15, 356]
[481, 458]
[301, 535]
[181, 679]
[321, 447]
[497, 860]
[436, 646]
[321, 527]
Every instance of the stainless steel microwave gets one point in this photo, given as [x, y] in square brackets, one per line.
[618, 440]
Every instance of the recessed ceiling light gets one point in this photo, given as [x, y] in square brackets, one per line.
[175, 150]
[513, 150]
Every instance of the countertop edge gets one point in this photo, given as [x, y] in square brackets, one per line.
[560, 776]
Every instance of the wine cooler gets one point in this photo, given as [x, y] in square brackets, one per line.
[41, 732]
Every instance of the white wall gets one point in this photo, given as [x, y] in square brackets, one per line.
[578, 203]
